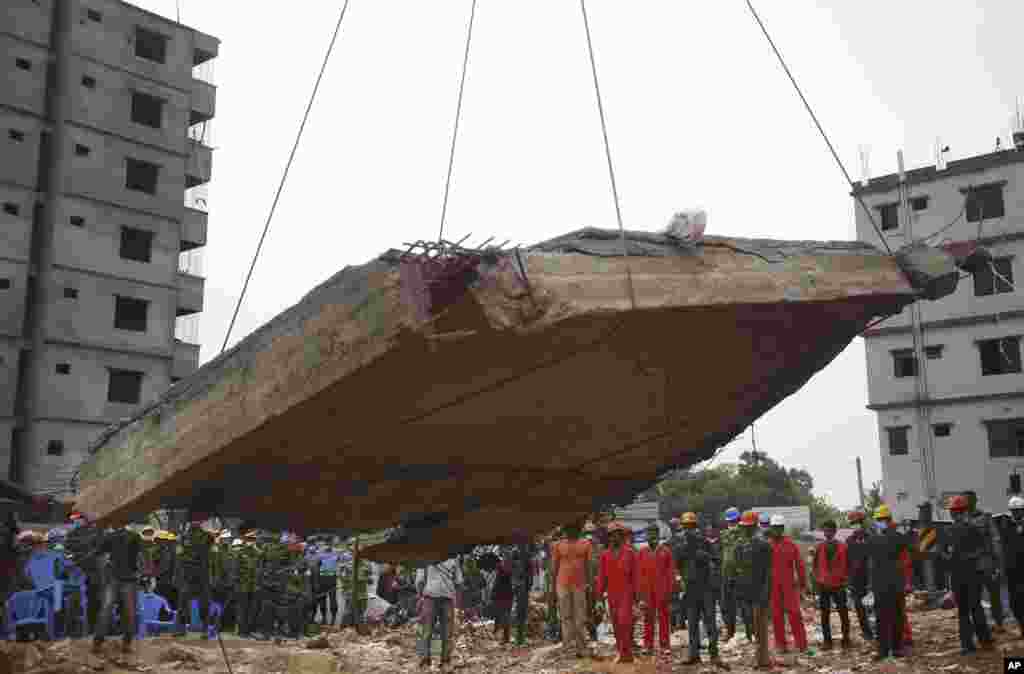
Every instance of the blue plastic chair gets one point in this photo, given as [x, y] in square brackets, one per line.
[148, 614]
[195, 624]
[29, 608]
[44, 568]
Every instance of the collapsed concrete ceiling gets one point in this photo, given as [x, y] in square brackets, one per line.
[523, 391]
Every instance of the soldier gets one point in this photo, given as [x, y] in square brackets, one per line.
[965, 548]
[730, 538]
[857, 556]
[82, 546]
[248, 564]
[693, 558]
[1012, 536]
[752, 568]
[712, 536]
[167, 566]
[150, 559]
[224, 576]
[272, 583]
[991, 559]
[194, 574]
[327, 585]
[122, 585]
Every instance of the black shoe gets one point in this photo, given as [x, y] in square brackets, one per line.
[968, 651]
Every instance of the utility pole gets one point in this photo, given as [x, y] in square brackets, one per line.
[860, 484]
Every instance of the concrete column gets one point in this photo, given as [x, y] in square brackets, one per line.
[60, 88]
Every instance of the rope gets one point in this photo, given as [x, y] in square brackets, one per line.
[458, 116]
[814, 117]
[284, 177]
[608, 155]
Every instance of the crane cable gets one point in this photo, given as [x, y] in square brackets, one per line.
[814, 117]
[608, 155]
[284, 177]
[458, 116]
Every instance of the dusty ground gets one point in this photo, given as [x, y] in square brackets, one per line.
[936, 649]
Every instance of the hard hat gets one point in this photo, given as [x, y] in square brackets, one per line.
[689, 519]
[749, 519]
[764, 518]
[225, 535]
[253, 534]
[237, 542]
[75, 515]
[855, 516]
[1016, 503]
[958, 504]
[616, 526]
[882, 512]
[778, 521]
[732, 514]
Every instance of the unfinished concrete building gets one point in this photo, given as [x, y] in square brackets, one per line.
[466, 395]
[104, 153]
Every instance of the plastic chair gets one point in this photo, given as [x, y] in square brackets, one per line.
[29, 608]
[195, 624]
[45, 568]
[148, 614]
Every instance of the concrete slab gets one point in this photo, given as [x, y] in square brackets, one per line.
[536, 393]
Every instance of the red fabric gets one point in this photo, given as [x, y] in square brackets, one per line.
[618, 577]
[908, 576]
[656, 608]
[657, 573]
[786, 559]
[834, 575]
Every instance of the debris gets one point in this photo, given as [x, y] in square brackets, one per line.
[319, 642]
[687, 227]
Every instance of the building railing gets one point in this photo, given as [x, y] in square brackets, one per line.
[186, 329]
[202, 133]
[197, 197]
[204, 72]
[191, 262]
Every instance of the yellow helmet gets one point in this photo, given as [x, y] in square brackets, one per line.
[882, 512]
[688, 519]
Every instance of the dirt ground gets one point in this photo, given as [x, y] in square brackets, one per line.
[936, 649]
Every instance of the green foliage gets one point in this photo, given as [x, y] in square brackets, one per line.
[873, 497]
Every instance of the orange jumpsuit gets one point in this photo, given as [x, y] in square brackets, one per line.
[785, 595]
[908, 574]
[618, 576]
[657, 578]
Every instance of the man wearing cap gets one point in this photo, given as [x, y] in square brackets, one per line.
[857, 556]
[618, 578]
[194, 559]
[657, 578]
[694, 556]
[789, 581]
[1012, 535]
[570, 560]
[752, 568]
[730, 538]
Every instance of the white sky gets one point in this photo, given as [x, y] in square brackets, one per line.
[699, 114]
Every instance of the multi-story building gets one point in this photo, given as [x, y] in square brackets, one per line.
[950, 394]
[104, 150]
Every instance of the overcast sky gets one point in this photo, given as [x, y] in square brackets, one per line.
[699, 115]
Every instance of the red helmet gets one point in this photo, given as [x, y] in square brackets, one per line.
[855, 516]
[958, 504]
[748, 519]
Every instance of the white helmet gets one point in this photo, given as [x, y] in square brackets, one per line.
[778, 521]
[1016, 503]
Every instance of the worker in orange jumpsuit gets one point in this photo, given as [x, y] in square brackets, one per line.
[908, 586]
[617, 576]
[786, 560]
[657, 580]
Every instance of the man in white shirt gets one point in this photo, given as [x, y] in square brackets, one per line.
[438, 583]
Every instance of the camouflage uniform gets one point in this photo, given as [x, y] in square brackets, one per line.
[82, 546]
[272, 584]
[166, 570]
[194, 575]
[990, 563]
[248, 566]
[731, 537]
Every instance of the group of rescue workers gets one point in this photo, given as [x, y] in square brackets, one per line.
[752, 570]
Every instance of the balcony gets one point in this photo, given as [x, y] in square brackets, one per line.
[198, 166]
[190, 294]
[186, 359]
[204, 100]
[193, 230]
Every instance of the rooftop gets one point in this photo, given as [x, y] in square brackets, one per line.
[928, 174]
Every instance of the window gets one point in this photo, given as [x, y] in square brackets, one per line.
[125, 386]
[11, 209]
[147, 110]
[942, 430]
[63, 368]
[82, 150]
[24, 64]
[902, 496]
[1000, 356]
[15, 135]
[899, 440]
[94, 15]
[141, 175]
[5, 284]
[994, 278]
[985, 202]
[1005, 438]
[890, 215]
[919, 203]
[933, 352]
[904, 363]
[136, 244]
[55, 447]
[150, 46]
[77, 221]
[71, 293]
[88, 81]
[130, 313]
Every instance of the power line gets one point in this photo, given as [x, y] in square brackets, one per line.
[284, 177]
[608, 154]
[814, 117]
[458, 116]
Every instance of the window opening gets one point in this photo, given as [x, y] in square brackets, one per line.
[1000, 356]
[130, 313]
[136, 244]
[125, 386]
[141, 176]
